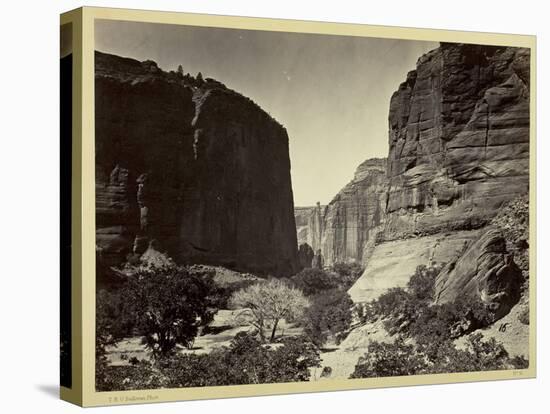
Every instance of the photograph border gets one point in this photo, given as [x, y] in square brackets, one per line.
[83, 288]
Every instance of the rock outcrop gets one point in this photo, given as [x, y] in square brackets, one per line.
[392, 263]
[192, 165]
[486, 272]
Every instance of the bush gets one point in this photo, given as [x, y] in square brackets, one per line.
[398, 358]
[410, 311]
[313, 281]
[347, 274]
[438, 323]
[170, 304]
[519, 362]
[330, 313]
[390, 359]
[140, 375]
[422, 283]
[523, 317]
[246, 361]
[113, 321]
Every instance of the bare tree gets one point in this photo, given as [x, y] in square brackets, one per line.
[268, 303]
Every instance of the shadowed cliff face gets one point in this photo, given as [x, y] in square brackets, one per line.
[192, 166]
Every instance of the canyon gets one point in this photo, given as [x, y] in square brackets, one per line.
[458, 152]
[205, 177]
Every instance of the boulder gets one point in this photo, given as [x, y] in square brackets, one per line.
[485, 271]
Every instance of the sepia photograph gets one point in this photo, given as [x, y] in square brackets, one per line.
[284, 207]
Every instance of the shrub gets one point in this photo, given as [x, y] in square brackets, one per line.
[347, 274]
[422, 283]
[523, 317]
[399, 358]
[326, 372]
[519, 362]
[330, 312]
[313, 281]
[246, 361]
[113, 322]
[438, 323]
[140, 375]
[390, 359]
[389, 303]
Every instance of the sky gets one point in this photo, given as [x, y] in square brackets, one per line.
[331, 93]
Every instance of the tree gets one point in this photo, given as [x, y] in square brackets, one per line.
[269, 302]
[169, 305]
[180, 70]
[199, 79]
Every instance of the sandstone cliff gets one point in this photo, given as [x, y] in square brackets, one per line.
[192, 165]
[458, 139]
[342, 229]
[458, 152]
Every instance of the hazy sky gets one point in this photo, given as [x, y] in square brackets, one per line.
[332, 93]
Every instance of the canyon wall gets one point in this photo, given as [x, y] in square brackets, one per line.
[190, 167]
[458, 152]
[458, 139]
[341, 231]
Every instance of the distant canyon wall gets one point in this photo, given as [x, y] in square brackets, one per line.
[194, 168]
[341, 230]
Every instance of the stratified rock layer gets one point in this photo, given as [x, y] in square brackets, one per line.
[458, 152]
[198, 168]
[458, 138]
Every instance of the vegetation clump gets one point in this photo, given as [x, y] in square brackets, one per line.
[247, 360]
[401, 358]
[425, 333]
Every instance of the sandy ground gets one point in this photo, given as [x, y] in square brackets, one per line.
[343, 358]
[223, 329]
